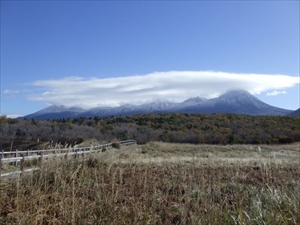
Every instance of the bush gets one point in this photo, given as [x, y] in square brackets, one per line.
[286, 140]
[256, 141]
[116, 145]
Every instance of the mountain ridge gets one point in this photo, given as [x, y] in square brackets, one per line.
[236, 101]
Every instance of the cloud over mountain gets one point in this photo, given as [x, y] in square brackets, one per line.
[172, 85]
[274, 93]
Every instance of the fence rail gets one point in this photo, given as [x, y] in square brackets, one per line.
[22, 156]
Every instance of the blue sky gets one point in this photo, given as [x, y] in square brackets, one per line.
[94, 53]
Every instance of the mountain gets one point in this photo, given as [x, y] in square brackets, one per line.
[126, 109]
[129, 109]
[237, 102]
[156, 106]
[294, 113]
[189, 102]
[56, 112]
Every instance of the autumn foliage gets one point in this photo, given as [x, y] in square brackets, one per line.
[176, 128]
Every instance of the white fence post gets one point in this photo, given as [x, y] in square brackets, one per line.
[16, 155]
[75, 155]
[66, 155]
[40, 159]
[1, 156]
[22, 165]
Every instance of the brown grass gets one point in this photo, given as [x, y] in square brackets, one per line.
[129, 190]
[217, 155]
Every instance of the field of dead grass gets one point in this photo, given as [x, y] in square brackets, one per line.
[217, 155]
[162, 183]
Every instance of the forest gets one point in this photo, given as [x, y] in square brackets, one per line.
[218, 129]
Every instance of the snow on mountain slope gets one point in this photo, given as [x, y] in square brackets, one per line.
[237, 101]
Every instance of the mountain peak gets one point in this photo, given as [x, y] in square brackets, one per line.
[236, 93]
[76, 109]
[53, 109]
[195, 100]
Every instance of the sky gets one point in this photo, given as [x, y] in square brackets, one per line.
[109, 53]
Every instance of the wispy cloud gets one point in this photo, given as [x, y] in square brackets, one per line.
[172, 85]
[10, 93]
[7, 91]
[274, 93]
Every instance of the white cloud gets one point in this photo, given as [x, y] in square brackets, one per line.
[7, 91]
[12, 115]
[172, 85]
[273, 93]
[10, 93]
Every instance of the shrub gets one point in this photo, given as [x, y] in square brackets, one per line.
[256, 141]
[286, 140]
[116, 145]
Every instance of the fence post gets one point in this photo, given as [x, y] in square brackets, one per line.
[22, 164]
[16, 155]
[27, 152]
[66, 155]
[53, 153]
[40, 158]
[75, 156]
[1, 156]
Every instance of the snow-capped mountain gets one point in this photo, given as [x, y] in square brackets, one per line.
[56, 112]
[129, 109]
[238, 102]
[125, 109]
[52, 109]
[189, 102]
[156, 106]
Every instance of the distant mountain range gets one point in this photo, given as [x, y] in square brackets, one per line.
[237, 102]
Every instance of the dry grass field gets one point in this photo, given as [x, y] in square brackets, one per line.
[162, 183]
[217, 155]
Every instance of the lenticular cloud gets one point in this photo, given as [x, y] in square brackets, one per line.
[173, 85]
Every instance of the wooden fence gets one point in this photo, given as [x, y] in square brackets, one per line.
[21, 156]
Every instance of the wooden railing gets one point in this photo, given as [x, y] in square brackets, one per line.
[21, 156]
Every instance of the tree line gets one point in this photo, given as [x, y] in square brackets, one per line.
[177, 128]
